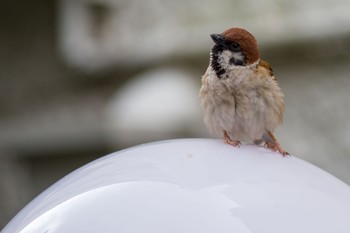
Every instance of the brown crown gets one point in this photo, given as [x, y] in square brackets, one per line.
[246, 41]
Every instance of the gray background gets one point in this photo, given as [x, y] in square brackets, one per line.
[80, 79]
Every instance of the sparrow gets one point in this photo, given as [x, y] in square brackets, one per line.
[240, 97]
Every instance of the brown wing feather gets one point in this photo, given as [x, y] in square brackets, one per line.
[267, 67]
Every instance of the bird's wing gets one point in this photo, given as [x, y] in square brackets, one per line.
[266, 66]
[265, 69]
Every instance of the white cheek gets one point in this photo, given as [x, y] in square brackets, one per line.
[237, 56]
[225, 57]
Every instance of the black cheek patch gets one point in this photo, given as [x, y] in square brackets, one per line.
[238, 62]
[235, 62]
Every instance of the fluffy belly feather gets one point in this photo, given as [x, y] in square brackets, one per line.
[245, 107]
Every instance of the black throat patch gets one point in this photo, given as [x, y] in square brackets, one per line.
[214, 61]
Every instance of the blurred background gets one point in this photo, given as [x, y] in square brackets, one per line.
[82, 78]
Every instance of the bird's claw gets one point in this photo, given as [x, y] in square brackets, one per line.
[231, 142]
[275, 146]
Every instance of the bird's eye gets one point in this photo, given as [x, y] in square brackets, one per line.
[235, 46]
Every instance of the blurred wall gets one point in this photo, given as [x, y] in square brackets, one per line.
[80, 79]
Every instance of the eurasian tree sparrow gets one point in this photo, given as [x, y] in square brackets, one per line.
[240, 96]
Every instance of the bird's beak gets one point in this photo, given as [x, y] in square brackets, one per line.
[218, 39]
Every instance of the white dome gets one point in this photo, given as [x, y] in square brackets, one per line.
[191, 186]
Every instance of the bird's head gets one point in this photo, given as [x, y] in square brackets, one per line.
[233, 47]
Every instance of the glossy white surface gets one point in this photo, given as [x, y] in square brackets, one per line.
[191, 185]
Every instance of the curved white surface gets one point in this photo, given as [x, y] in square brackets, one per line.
[191, 185]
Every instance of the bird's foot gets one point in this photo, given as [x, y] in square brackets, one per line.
[234, 143]
[275, 146]
[231, 142]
